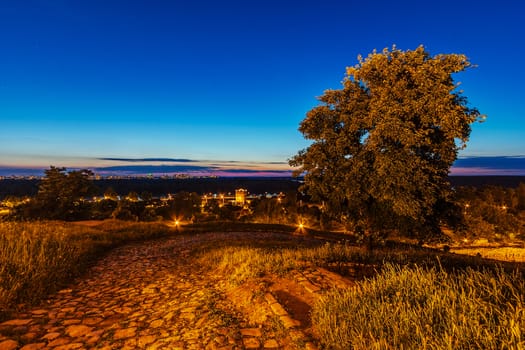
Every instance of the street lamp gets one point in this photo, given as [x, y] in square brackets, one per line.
[301, 227]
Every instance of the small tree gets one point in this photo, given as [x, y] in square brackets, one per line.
[60, 194]
[383, 144]
[110, 194]
[185, 205]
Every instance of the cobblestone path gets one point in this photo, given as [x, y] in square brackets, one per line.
[145, 296]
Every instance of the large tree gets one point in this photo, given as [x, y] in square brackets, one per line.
[383, 144]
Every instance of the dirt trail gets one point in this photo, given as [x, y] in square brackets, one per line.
[154, 296]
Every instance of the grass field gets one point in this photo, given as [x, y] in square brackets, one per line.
[412, 307]
[512, 254]
[417, 298]
[406, 305]
[38, 258]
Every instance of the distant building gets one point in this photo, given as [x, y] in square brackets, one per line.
[240, 196]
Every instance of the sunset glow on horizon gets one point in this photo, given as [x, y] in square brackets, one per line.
[226, 84]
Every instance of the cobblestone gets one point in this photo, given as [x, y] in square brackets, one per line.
[151, 295]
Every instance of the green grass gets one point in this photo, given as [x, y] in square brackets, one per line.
[38, 258]
[416, 308]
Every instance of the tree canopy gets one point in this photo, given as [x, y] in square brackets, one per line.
[60, 192]
[384, 143]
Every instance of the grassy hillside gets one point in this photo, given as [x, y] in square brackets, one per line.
[37, 258]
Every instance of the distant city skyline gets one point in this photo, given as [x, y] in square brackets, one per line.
[511, 166]
[225, 84]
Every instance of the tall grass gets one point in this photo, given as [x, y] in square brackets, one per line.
[416, 308]
[412, 303]
[405, 305]
[39, 257]
[242, 263]
[251, 260]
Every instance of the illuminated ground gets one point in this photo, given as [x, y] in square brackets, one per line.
[154, 295]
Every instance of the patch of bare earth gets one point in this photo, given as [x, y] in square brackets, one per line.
[284, 303]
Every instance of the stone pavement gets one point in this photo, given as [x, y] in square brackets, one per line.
[149, 296]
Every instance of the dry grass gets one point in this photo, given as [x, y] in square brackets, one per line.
[37, 258]
[412, 303]
[243, 263]
[511, 254]
[416, 308]
[404, 306]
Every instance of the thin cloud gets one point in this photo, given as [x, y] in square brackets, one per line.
[223, 162]
[175, 169]
[493, 162]
[146, 169]
[494, 165]
[464, 166]
[270, 171]
[145, 160]
[185, 160]
[12, 171]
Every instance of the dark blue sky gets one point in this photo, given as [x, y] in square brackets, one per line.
[220, 81]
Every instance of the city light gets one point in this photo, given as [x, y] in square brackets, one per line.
[176, 223]
[301, 227]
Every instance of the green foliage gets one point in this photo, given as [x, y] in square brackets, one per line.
[414, 308]
[383, 145]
